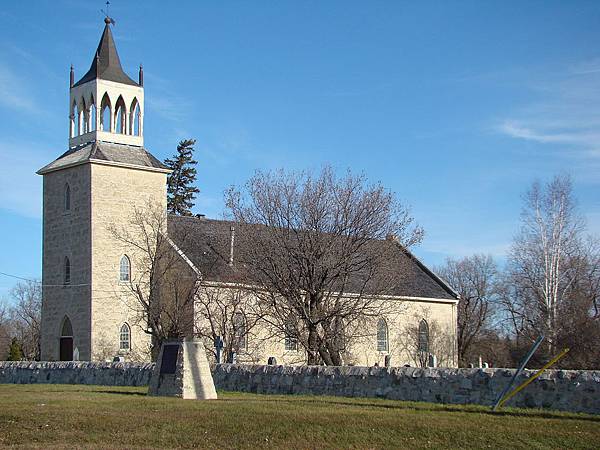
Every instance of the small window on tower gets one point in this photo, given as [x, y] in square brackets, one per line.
[67, 271]
[67, 198]
[125, 269]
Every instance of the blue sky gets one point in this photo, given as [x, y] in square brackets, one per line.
[455, 106]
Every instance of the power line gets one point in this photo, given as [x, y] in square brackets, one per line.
[55, 285]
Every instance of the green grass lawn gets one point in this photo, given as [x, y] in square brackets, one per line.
[61, 416]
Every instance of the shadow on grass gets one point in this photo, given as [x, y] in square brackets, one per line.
[428, 407]
[108, 391]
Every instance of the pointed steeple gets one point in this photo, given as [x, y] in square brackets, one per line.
[106, 64]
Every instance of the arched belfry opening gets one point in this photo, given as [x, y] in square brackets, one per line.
[93, 114]
[105, 114]
[120, 116]
[135, 118]
[66, 340]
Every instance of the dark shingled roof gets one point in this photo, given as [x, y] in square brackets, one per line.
[106, 64]
[206, 243]
[104, 151]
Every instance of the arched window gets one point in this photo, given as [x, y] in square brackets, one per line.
[66, 329]
[423, 343]
[240, 340]
[125, 337]
[105, 114]
[67, 197]
[134, 118]
[120, 115]
[382, 336]
[291, 334]
[125, 269]
[67, 271]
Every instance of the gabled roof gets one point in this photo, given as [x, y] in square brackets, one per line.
[206, 243]
[108, 152]
[106, 64]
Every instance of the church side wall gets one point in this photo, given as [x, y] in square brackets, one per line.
[402, 317]
[66, 234]
[116, 191]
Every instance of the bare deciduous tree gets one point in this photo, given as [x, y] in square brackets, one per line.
[474, 279]
[232, 314]
[162, 286]
[25, 317]
[318, 248]
[550, 270]
[4, 330]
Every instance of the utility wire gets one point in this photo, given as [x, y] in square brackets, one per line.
[54, 285]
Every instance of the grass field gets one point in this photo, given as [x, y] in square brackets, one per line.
[60, 416]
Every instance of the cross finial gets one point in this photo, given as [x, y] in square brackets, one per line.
[107, 19]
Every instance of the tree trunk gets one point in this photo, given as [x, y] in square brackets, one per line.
[313, 346]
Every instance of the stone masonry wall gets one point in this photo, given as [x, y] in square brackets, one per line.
[567, 390]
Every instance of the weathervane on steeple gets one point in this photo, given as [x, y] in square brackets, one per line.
[107, 18]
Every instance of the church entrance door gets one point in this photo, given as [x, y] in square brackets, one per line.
[66, 349]
[66, 340]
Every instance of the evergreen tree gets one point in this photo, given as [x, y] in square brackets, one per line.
[15, 353]
[181, 191]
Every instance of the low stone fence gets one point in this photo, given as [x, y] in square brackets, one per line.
[567, 390]
[105, 374]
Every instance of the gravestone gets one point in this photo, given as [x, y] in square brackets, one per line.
[182, 370]
[432, 360]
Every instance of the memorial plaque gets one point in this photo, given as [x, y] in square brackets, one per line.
[169, 359]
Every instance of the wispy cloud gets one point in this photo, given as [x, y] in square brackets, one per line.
[565, 113]
[13, 94]
[20, 187]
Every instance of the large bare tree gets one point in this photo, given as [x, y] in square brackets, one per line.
[322, 250]
[474, 279]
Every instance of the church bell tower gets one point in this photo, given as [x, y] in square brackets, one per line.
[89, 190]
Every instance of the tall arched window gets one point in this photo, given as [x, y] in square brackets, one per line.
[67, 197]
[105, 114]
[382, 336]
[134, 118]
[67, 273]
[125, 337]
[240, 332]
[291, 334]
[120, 115]
[423, 343]
[125, 269]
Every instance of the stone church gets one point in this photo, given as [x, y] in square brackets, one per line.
[106, 172]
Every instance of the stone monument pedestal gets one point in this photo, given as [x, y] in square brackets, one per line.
[182, 370]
